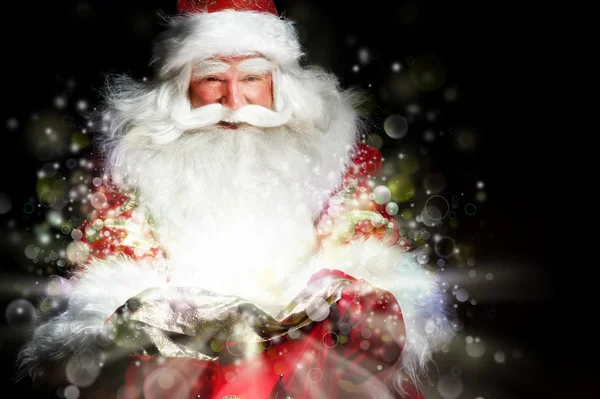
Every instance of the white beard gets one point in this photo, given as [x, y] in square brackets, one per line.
[234, 209]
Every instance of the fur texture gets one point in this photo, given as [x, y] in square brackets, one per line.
[194, 37]
[234, 210]
[427, 316]
[208, 189]
[96, 292]
[91, 296]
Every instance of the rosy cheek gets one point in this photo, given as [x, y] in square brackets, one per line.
[201, 95]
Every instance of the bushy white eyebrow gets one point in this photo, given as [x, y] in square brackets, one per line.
[209, 67]
[255, 65]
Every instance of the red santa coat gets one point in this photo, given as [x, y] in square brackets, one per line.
[354, 349]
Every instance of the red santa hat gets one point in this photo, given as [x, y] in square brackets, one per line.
[211, 28]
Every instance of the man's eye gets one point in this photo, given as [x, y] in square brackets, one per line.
[252, 78]
[211, 79]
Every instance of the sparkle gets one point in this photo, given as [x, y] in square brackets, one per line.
[60, 102]
[12, 123]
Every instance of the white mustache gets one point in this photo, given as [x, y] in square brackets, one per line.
[212, 114]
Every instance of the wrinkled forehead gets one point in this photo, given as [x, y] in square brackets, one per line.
[248, 64]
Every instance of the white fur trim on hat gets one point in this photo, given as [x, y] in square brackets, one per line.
[194, 37]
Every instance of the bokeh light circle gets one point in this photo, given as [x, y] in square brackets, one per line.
[440, 203]
[236, 345]
[20, 313]
[47, 198]
[395, 126]
[166, 382]
[450, 387]
[470, 209]
[434, 183]
[318, 310]
[444, 247]
[330, 339]
[315, 375]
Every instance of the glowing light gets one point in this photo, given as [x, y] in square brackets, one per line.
[294, 334]
[401, 187]
[430, 216]
[163, 379]
[395, 126]
[318, 310]
[44, 238]
[315, 375]
[429, 135]
[19, 313]
[475, 348]
[71, 392]
[499, 357]
[413, 109]
[78, 252]
[345, 328]
[99, 201]
[423, 259]
[450, 386]
[392, 208]
[60, 102]
[12, 123]
[382, 195]
[444, 247]
[324, 227]
[462, 295]
[54, 218]
[364, 55]
[97, 224]
[76, 234]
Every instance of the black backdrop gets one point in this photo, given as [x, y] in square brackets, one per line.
[64, 50]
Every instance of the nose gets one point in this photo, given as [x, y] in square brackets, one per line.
[233, 98]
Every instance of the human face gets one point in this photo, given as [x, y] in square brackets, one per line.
[232, 82]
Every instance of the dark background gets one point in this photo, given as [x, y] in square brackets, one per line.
[66, 49]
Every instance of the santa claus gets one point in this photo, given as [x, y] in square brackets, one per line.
[238, 247]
